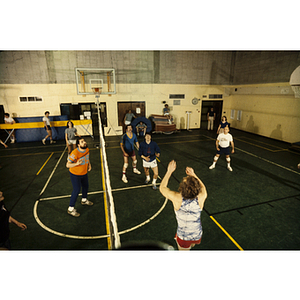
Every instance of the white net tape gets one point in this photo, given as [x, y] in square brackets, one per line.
[115, 237]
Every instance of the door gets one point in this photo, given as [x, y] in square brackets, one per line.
[137, 108]
[217, 106]
[73, 111]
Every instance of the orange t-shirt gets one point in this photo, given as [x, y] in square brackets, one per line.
[75, 155]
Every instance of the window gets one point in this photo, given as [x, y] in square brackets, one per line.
[176, 96]
[215, 96]
[232, 113]
[239, 115]
[30, 99]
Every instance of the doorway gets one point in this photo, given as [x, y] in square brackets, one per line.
[218, 108]
[73, 111]
[137, 108]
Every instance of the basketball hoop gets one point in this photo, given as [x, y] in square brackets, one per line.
[97, 91]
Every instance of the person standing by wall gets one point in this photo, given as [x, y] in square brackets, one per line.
[47, 126]
[188, 204]
[128, 117]
[70, 136]
[211, 115]
[79, 165]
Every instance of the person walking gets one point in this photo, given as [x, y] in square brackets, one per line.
[79, 165]
[148, 151]
[47, 126]
[188, 204]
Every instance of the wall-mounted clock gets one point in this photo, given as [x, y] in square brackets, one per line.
[195, 101]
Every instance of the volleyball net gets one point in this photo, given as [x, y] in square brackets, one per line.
[111, 221]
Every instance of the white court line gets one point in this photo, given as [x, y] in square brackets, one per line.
[87, 237]
[45, 186]
[95, 236]
[271, 162]
[100, 192]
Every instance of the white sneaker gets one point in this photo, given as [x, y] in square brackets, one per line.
[212, 167]
[124, 179]
[230, 169]
[43, 141]
[87, 202]
[136, 171]
[73, 213]
[52, 142]
[12, 141]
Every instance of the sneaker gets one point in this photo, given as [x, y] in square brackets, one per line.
[136, 171]
[52, 142]
[12, 141]
[154, 187]
[212, 167]
[73, 213]
[43, 141]
[124, 179]
[87, 202]
[230, 169]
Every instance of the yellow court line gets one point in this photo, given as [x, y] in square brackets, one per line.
[44, 164]
[227, 234]
[109, 242]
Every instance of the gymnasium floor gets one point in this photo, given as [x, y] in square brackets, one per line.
[255, 207]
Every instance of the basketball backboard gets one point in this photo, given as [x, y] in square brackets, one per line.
[295, 82]
[89, 78]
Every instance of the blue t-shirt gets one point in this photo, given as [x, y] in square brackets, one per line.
[128, 143]
[223, 125]
[149, 149]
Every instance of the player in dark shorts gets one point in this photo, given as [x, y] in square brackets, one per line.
[127, 146]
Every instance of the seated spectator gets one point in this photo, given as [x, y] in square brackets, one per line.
[166, 112]
[141, 127]
[10, 120]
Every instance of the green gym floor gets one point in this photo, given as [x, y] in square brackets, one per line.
[255, 207]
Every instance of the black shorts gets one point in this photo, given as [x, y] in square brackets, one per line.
[47, 127]
[225, 151]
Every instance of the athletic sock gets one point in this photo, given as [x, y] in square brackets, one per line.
[148, 177]
[154, 181]
[83, 199]
[71, 208]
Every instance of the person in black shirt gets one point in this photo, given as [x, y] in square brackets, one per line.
[5, 219]
[211, 115]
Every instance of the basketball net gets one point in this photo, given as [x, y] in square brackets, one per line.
[97, 91]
